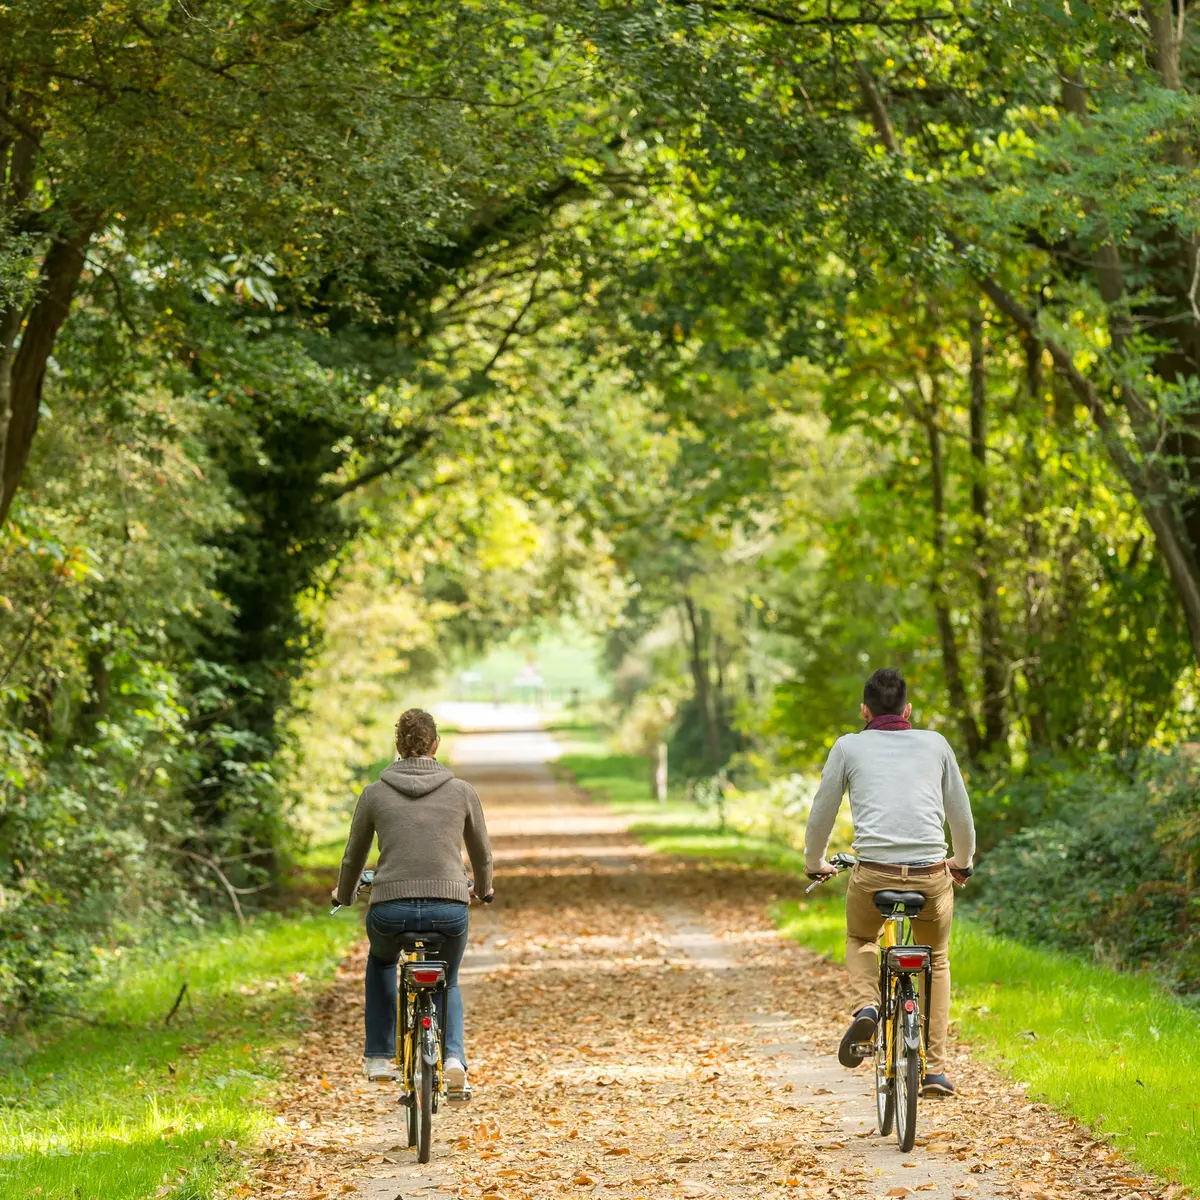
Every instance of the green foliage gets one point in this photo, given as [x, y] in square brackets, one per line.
[108, 581]
[1106, 872]
[413, 326]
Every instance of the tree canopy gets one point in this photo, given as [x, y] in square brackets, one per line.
[772, 340]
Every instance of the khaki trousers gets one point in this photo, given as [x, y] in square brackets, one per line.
[864, 927]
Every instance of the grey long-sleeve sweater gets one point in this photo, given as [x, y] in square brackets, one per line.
[422, 815]
[904, 786]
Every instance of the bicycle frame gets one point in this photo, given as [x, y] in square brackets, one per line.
[897, 931]
[415, 1003]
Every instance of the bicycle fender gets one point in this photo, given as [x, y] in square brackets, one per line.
[910, 1022]
[429, 1048]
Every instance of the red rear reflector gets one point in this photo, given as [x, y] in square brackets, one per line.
[426, 976]
[909, 1006]
[909, 962]
[426, 1022]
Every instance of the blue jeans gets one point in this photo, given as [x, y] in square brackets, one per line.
[386, 922]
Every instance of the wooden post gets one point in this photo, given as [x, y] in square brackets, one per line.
[660, 773]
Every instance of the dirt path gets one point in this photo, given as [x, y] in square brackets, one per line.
[636, 1028]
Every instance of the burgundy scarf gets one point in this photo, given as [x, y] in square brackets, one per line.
[888, 721]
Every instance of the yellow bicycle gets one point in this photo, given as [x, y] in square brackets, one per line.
[901, 1033]
[420, 1044]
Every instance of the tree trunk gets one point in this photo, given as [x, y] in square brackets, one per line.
[1177, 537]
[991, 643]
[10, 326]
[1167, 495]
[951, 666]
[22, 372]
[702, 685]
[1149, 484]
[1031, 503]
[1165, 27]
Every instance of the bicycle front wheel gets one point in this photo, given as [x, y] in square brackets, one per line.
[906, 1029]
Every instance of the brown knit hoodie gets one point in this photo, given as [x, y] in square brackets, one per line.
[422, 815]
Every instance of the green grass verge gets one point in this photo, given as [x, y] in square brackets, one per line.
[1115, 1051]
[116, 1105]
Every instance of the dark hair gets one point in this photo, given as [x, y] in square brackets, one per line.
[885, 692]
[415, 733]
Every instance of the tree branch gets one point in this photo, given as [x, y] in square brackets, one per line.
[875, 106]
[778, 18]
[478, 383]
[212, 865]
[122, 311]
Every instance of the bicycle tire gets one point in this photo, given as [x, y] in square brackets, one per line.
[424, 1104]
[885, 1092]
[413, 1051]
[908, 1066]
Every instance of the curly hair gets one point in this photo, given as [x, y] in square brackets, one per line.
[415, 734]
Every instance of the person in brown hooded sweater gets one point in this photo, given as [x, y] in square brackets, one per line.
[422, 815]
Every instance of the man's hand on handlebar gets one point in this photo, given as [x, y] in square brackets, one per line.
[825, 871]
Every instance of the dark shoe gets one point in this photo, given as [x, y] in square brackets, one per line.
[937, 1085]
[862, 1030]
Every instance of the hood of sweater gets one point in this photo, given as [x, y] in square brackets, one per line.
[416, 777]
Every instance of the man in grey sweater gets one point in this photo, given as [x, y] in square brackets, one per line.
[422, 815]
[904, 786]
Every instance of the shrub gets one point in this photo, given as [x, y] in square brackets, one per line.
[1112, 874]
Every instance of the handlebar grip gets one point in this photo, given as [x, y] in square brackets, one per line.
[489, 897]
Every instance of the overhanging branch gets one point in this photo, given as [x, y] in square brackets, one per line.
[479, 382]
[828, 21]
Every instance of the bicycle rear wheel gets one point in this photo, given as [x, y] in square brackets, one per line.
[908, 1063]
[885, 1092]
[412, 1051]
[423, 1077]
[424, 1108]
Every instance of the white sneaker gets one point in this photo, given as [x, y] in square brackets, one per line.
[455, 1074]
[380, 1069]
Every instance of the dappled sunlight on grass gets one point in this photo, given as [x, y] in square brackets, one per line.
[112, 1105]
[1116, 1050]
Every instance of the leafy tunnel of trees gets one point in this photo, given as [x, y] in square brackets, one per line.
[781, 341]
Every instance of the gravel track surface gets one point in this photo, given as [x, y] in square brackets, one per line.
[636, 1028]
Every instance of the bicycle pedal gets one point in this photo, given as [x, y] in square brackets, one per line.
[863, 1049]
[458, 1095]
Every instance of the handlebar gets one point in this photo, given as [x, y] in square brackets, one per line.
[364, 883]
[843, 862]
[367, 878]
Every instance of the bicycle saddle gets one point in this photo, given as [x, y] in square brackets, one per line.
[428, 939]
[909, 903]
